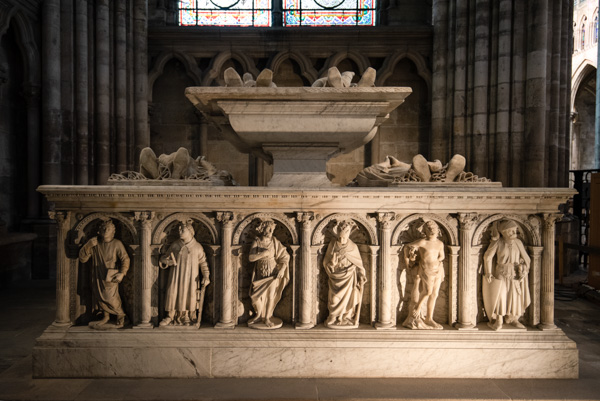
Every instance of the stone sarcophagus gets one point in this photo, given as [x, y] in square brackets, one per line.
[446, 280]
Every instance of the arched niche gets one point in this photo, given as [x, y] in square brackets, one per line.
[583, 109]
[187, 61]
[407, 131]
[408, 230]
[243, 237]
[528, 232]
[163, 236]
[174, 121]
[347, 61]
[85, 229]
[291, 68]
[240, 61]
[365, 237]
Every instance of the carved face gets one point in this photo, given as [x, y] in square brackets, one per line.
[431, 230]
[344, 235]
[107, 232]
[267, 230]
[184, 233]
[510, 233]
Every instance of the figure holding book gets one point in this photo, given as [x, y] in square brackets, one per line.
[109, 263]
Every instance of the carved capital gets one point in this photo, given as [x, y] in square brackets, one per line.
[144, 219]
[61, 218]
[226, 218]
[467, 221]
[384, 219]
[550, 220]
[306, 218]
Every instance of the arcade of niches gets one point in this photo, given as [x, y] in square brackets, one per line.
[224, 221]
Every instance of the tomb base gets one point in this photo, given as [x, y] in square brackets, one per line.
[319, 352]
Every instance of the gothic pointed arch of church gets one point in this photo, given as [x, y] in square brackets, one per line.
[191, 68]
[387, 69]
[217, 63]
[307, 71]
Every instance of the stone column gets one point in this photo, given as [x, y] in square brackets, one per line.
[460, 78]
[51, 114]
[547, 276]
[467, 223]
[305, 307]
[226, 319]
[534, 284]
[121, 84]
[102, 160]
[293, 268]
[503, 105]
[453, 254]
[517, 117]
[63, 316]
[479, 143]
[535, 112]
[81, 91]
[439, 140]
[146, 270]
[140, 66]
[32, 96]
[384, 320]
[373, 251]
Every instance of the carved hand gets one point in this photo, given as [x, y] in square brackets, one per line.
[118, 278]
[281, 272]
[489, 277]
[205, 281]
[92, 242]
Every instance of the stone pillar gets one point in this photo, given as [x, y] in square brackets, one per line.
[547, 274]
[63, 316]
[146, 270]
[460, 78]
[51, 97]
[102, 160]
[479, 138]
[503, 104]
[453, 254]
[81, 91]
[140, 66]
[373, 251]
[226, 319]
[305, 307]
[293, 268]
[534, 284]
[467, 223]
[32, 96]
[517, 115]
[439, 140]
[384, 320]
[121, 84]
[535, 112]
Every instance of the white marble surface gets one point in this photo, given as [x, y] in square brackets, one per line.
[243, 352]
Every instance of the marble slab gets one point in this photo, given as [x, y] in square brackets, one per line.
[83, 352]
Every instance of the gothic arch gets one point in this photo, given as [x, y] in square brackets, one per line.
[306, 68]
[159, 231]
[217, 64]
[188, 61]
[84, 222]
[530, 227]
[361, 61]
[445, 223]
[390, 62]
[584, 69]
[318, 237]
[275, 216]
[25, 42]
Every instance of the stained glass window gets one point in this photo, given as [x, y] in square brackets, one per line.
[582, 36]
[596, 29]
[225, 12]
[329, 12]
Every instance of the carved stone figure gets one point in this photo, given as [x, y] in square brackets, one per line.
[110, 263]
[264, 79]
[393, 171]
[269, 277]
[185, 259]
[347, 278]
[505, 286]
[426, 256]
[178, 165]
[335, 79]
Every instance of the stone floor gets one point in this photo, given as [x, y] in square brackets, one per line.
[29, 309]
